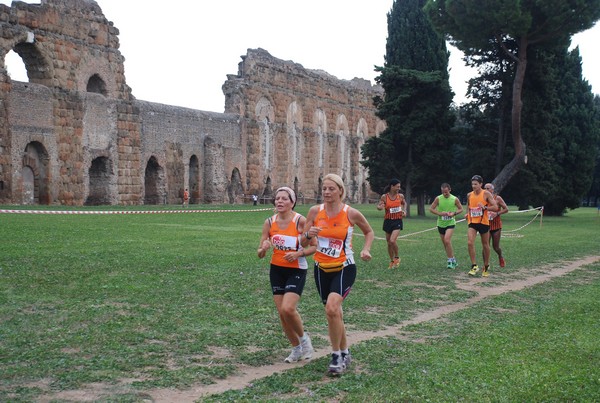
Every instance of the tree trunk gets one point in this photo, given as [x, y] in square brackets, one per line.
[421, 204]
[520, 157]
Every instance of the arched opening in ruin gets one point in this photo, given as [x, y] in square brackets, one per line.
[99, 182]
[194, 180]
[235, 190]
[15, 66]
[296, 185]
[34, 174]
[154, 183]
[267, 193]
[96, 84]
[38, 69]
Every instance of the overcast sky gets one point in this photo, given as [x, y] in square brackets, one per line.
[178, 52]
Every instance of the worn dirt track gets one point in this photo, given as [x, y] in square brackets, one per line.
[247, 375]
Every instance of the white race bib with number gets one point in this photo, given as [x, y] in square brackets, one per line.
[284, 242]
[394, 210]
[476, 212]
[330, 247]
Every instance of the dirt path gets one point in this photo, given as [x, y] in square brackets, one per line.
[247, 375]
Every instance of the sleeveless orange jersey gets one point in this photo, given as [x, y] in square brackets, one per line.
[496, 222]
[477, 215]
[284, 241]
[393, 207]
[335, 238]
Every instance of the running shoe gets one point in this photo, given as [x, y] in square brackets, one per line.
[449, 266]
[454, 264]
[336, 365]
[346, 360]
[295, 355]
[474, 270]
[391, 265]
[396, 262]
[502, 262]
[485, 272]
[307, 348]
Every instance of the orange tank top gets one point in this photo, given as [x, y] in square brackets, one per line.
[284, 241]
[477, 215]
[335, 238]
[393, 207]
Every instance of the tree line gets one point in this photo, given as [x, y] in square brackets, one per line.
[532, 126]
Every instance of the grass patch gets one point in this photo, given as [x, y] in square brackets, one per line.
[173, 300]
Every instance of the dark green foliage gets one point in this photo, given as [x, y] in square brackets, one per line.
[516, 28]
[560, 121]
[415, 145]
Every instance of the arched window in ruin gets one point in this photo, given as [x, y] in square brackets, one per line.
[294, 131]
[194, 180]
[34, 174]
[99, 182]
[15, 67]
[96, 84]
[344, 149]
[265, 115]
[359, 172]
[267, 194]
[39, 70]
[320, 124]
[154, 183]
[235, 190]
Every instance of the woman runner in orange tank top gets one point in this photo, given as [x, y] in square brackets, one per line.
[288, 270]
[330, 227]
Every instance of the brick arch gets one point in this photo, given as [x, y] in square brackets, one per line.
[295, 139]
[97, 85]
[154, 182]
[235, 189]
[36, 163]
[358, 173]
[265, 118]
[194, 180]
[100, 174]
[39, 68]
[341, 165]
[320, 129]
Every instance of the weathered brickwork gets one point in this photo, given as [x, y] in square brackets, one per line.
[74, 134]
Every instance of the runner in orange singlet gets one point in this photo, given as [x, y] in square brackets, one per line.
[496, 223]
[479, 201]
[288, 269]
[330, 227]
[395, 209]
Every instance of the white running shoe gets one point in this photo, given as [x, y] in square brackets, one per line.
[307, 348]
[295, 355]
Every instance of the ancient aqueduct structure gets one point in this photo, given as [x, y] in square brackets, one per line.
[75, 134]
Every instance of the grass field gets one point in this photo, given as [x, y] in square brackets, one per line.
[123, 305]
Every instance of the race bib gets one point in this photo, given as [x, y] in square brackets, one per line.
[330, 247]
[395, 210]
[284, 242]
[446, 218]
[476, 212]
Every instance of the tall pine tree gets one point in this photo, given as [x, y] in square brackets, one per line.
[416, 145]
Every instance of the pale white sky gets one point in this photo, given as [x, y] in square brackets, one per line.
[179, 52]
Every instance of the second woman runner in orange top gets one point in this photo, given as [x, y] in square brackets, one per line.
[330, 227]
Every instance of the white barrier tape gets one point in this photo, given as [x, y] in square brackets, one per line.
[96, 212]
[541, 210]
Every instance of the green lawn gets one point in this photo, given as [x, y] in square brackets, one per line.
[175, 300]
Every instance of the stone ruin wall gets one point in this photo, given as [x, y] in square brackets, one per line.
[75, 134]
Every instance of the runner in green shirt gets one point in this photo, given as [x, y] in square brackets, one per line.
[447, 206]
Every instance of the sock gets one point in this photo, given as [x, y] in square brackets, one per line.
[345, 351]
[304, 337]
[338, 352]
